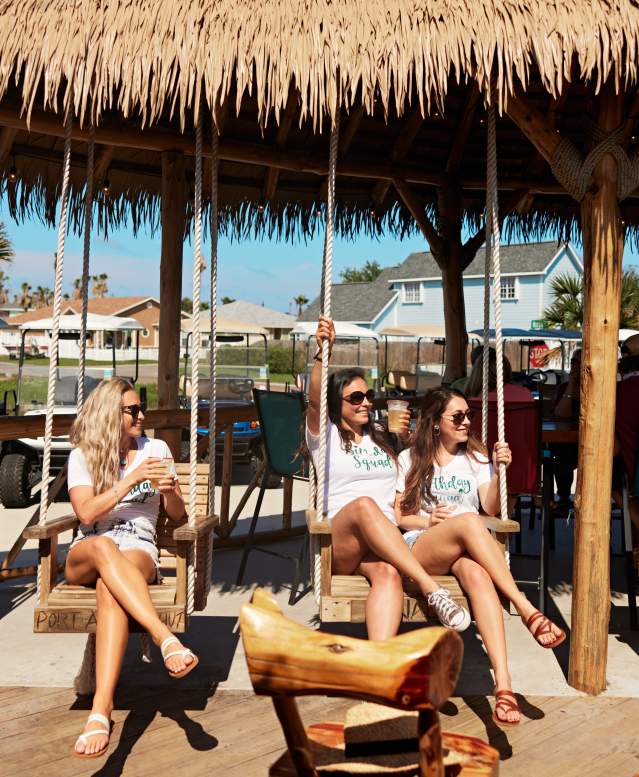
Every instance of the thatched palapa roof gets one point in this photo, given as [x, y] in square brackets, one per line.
[271, 72]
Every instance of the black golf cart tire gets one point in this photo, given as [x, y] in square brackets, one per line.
[15, 490]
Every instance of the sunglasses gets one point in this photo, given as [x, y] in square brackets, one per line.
[357, 397]
[460, 416]
[133, 410]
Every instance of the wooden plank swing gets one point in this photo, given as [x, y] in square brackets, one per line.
[185, 547]
[343, 597]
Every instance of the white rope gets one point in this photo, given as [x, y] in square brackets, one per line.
[215, 165]
[57, 306]
[198, 264]
[327, 274]
[88, 214]
[491, 178]
[486, 351]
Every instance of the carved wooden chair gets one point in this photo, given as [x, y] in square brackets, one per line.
[412, 672]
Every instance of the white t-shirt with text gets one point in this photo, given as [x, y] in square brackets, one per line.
[140, 506]
[456, 484]
[367, 470]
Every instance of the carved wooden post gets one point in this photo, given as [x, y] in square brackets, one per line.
[173, 218]
[603, 251]
[455, 319]
[429, 736]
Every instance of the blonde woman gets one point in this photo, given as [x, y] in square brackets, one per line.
[110, 476]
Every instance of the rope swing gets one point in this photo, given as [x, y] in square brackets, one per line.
[327, 272]
[88, 217]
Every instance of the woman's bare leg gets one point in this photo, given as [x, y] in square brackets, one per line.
[100, 557]
[361, 527]
[443, 544]
[489, 619]
[385, 601]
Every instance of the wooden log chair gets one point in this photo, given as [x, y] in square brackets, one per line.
[64, 608]
[414, 673]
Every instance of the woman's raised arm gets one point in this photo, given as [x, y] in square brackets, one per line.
[325, 331]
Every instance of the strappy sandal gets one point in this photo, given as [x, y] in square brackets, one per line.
[181, 652]
[545, 627]
[507, 702]
[95, 717]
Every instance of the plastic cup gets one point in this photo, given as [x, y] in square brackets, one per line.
[168, 466]
[395, 409]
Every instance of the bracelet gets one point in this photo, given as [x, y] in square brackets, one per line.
[115, 494]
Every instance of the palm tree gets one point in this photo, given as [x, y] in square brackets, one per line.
[6, 249]
[567, 312]
[77, 289]
[42, 296]
[4, 296]
[24, 299]
[300, 301]
[100, 286]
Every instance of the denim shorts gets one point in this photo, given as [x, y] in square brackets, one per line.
[411, 537]
[127, 537]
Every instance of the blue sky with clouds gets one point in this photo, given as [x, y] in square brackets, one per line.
[268, 272]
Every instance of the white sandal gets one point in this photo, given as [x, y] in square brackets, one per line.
[182, 652]
[95, 717]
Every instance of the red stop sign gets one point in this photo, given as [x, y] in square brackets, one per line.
[537, 354]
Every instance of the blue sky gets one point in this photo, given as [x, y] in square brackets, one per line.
[268, 272]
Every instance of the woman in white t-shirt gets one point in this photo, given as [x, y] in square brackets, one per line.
[443, 480]
[360, 478]
[110, 476]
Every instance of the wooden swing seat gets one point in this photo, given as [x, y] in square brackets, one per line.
[343, 597]
[64, 608]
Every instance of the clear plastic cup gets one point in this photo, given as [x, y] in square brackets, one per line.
[395, 409]
[168, 465]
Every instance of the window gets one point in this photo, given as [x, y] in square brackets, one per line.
[413, 292]
[509, 288]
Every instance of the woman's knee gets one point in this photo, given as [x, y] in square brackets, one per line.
[471, 522]
[103, 549]
[474, 576]
[384, 574]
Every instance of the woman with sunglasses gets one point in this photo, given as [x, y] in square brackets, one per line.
[116, 479]
[360, 477]
[443, 479]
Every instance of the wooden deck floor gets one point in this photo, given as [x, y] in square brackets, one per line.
[235, 734]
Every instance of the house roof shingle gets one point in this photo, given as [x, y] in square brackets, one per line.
[360, 302]
[104, 306]
[256, 314]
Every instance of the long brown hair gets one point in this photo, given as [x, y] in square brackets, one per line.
[337, 382]
[425, 442]
[476, 377]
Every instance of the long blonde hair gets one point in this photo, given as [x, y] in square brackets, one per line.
[96, 431]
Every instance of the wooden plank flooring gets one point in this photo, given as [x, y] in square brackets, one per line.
[235, 734]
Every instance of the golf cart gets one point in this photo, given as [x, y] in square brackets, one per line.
[21, 459]
[246, 366]
[426, 373]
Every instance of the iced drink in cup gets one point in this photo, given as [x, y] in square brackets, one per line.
[395, 409]
[168, 467]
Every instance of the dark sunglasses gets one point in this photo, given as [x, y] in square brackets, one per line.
[459, 417]
[133, 410]
[357, 397]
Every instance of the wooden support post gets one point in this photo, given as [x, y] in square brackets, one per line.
[173, 216]
[454, 320]
[603, 251]
[296, 738]
[429, 736]
[48, 553]
[287, 498]
[227, 472]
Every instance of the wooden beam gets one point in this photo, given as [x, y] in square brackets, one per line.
[102, 161]
[603, 252]
[538, 164]
[631, 120]
[7, 136]
[399, 150]
[534, 125]
[345, 139]
[173, 223]
[474, 243]
[411, 201]
[463, 129]
[286, 122]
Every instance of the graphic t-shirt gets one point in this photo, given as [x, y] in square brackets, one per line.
[366, 470]
[456, 484]
[139, 507]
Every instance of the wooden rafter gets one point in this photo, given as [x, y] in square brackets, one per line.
[416, 208]
[399, 150]
[462, 132]
[535, 126]
[345, 140]
[537, 165]
[286, 122]
[7, 136]
[474, 243]
[102, 161]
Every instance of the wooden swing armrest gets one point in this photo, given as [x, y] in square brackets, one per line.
[500, 526]
[203, 525]
[51, 528]
[316, 526]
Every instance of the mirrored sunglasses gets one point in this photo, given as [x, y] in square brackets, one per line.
[357, 397]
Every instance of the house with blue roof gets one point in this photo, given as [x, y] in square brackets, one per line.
[410, 294]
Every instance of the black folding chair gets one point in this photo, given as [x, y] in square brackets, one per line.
[281, 417]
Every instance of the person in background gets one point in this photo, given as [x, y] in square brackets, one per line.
[513, 392]
[461, 383]
[627, 424]
[565, 453]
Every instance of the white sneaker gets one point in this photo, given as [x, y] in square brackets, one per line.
[450, 614]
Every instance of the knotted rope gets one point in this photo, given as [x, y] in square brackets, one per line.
[198, 266]
[215, 164]
[493, 209]
[486, 351]
[57, 306]
[327, 274]
[88, 218]
[575, 173]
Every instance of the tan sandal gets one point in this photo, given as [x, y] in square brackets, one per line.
[507, 702]
[95, 717]
[545, 627]
[181, 652]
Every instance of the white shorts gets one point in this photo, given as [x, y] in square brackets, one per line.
[411, 537]
[126, 537]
